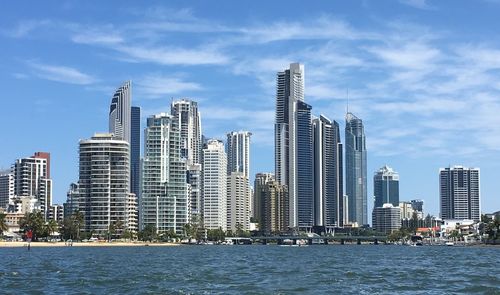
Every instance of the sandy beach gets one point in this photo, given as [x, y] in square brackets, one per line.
[81, 244]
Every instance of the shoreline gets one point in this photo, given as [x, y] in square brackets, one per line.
[82, 244]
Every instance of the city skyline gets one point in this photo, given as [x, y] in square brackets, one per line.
[79, 78]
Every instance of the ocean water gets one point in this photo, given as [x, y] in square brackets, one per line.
[251, 269]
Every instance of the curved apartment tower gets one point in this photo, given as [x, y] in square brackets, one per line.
[355, 169]
[103, 186]
[120, 112]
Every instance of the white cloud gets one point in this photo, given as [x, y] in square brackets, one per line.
[61, 74]
[160, 86]
[173, 55]
[24, 28]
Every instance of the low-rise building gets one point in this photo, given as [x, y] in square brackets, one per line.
[387, 218]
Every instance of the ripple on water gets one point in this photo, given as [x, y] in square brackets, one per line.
[252, 270]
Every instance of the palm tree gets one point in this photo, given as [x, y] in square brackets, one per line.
[78, 220]
[3, 223]
[51, 226]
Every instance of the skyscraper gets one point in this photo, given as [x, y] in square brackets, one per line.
[386, 187]
[164, 198]
[304, 167]
[355, 169]
[120, 112]
[239, 196]
[258, 193]
[214, 185]
[328, 173]
[459, 193]
[238, 202]
[238, 152]
[135, 151]
[103, 187]
[31, 179]
[274, 208]
[289, 91]
[186, 113]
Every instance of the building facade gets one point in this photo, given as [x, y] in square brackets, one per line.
[261, 179]
[103, 185]
[185, 111]
[274, 208]
[31, 179]
[164, 197]
[386, 187]
[328, 174]
[238, 152]
[238, 202]
[459, 193]
[386, 219]
[135, 151]
[355, 169]
[214, 185]
[6, 188]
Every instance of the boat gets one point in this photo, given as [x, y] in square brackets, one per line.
[449, 244]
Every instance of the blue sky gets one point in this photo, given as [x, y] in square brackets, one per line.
[423, 75]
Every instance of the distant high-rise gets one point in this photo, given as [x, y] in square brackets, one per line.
[238, 152]
[103, 187]
[386, 187]
[135, 151]
[289, 91]
[214, 185]
[186, 113]
[258, 193]
[31, 179]
[238, 202]
[164, 197]
[6, 188]
[120, 112]
[328, 173]
[417, 205]
[459, 193]
[355, 169]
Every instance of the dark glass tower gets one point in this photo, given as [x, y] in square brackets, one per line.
[459, 193]
[305, 196]
[386, 187]
[328, 174]
[135, 151]
[355, 169]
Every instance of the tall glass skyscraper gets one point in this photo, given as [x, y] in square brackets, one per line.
[355, 169]
[289, 91]
[238, 152]
[328, 174]
[135, 151]
[304, 160]
[386, 187]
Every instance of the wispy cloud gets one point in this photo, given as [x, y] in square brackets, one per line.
[160, 86]
[420, 4]
[24, 28]
[62, 74]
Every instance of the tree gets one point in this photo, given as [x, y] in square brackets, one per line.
[216, 235]
[148, 233]
[3, 223]
[51, 226]
[77, 220]
[35, 222]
